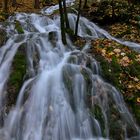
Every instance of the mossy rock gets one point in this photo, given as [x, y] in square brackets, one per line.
[3, 37]
[16, 77]
[18, 27]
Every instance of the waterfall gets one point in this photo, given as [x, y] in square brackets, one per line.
[62, 96]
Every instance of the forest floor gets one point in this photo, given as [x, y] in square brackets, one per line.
[120, 65]
[21, 6]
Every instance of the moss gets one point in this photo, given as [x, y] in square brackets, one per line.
[115, 65]
[126, 78]
[136, 111]
[132, 55]
[110, 71]
[96, 111]
[115, 124]
[16, 77]
[3, 37]
[87, 78]
[137, 18]
[18, 27]
[134, 69]
[110, 49]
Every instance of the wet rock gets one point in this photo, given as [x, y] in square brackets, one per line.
[53, 37]
[3, 36]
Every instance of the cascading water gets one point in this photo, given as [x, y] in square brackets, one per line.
[63, 96]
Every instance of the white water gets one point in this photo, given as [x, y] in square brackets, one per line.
[50, 10]
[54, 102]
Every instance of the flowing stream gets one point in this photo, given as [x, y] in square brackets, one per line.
[62, 96]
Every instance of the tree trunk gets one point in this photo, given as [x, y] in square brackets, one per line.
[62, 22]
[14, 3]
[36, 4]
[113, 10]
[85, 4]
[66, 15]
[5, 6]
[78, 17]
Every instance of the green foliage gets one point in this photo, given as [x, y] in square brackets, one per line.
[134, 69]
[115, 65]
[4, 15]
[16, 77]
[18, 27]
[137, 18]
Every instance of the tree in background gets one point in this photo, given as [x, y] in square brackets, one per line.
[64, 21]
[36, 4]
[5, 6]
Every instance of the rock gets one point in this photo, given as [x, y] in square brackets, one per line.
[3, 37]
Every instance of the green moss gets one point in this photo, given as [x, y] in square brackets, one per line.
[136, 112]
[110, 49]
[4, 15]
[115, 123]
[3, 37]
[96, 111]
[134, 107]
[16, 77]
[115, 65]
[18, 27]
[132, 55]
[137, 18]
[111, 73]
[87, 78]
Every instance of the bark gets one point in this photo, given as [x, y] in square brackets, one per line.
[78, 17]
[62, 22]
[36, 4]
[14, 2]
[5, 6]
[113, 10]
[85, 4]
[66, 15]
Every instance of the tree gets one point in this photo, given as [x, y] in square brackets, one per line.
[85, 4]
[62, 22]
[14, 2]
[78, 17]
[36, 4]
[5, 6]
